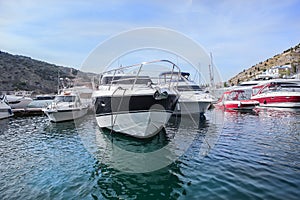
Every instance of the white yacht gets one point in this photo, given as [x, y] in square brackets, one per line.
[130, 103]
[66, 106]
[5, 109]
[193, 99]
[17, 102]
[279, 93]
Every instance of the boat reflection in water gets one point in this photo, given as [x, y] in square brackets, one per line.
[135, 155]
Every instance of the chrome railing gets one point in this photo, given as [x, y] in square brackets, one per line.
[174, 70]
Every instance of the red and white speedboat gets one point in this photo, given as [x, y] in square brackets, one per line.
[278, 93]
[236, 99]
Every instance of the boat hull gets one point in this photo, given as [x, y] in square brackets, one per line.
[140, 116]
[238, 105]
[5, 113]
[142, 124]
[18, 102]
[65, 115]
[285, 101]
[5, 110]
[191, 107]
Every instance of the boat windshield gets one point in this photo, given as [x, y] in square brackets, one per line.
[235, 96]
[65, 98]
[188, 88]
[287, 87]
[125, 80]
[172, 77]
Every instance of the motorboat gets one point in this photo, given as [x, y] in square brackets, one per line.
[193, 99]
[5, 109]
[236, 99]
[66, 106]
[281, 93]
[18, 102]
[132, 103]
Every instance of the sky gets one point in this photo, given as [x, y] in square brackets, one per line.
[238, 33]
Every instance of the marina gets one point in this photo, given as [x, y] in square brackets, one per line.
[150, 100]
[125, 148]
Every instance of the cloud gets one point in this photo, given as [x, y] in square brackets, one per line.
[239, 33]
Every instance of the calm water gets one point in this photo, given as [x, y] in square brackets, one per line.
[248, 156]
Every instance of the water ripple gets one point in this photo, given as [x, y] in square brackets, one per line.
[256, 156]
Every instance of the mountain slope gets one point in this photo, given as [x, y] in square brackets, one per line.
[288, 57]
[24, 73]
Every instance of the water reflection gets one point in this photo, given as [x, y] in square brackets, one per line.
[119, 175]
[255, 156]
[138, 156]
[164, 183]
[4, 124]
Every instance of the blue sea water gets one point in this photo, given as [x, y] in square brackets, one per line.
[253, 155]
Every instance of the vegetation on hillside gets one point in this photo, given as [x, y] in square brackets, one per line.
[290, 56]
[24, 73]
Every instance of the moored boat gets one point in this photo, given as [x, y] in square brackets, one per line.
[193, 99]
[5, 109]
[130, 103]
[18, 101]
[65, 107]
[278, 93]
[236, 99]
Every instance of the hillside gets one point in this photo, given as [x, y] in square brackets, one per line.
[24, 73]
[290, 56]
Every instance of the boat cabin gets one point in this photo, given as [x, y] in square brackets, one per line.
[184, 84]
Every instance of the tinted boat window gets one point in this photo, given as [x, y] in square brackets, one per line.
[189, 88]
[126, 80]
[65, 98]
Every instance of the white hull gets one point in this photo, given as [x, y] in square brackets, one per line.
[18, 102]
[282, 105]
[140, 124]
[65, 115]
[5, 110]
[5, 114]
[191, 107]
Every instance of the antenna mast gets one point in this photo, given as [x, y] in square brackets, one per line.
[211, 72]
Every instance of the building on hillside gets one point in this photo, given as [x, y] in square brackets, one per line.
[275, 72]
